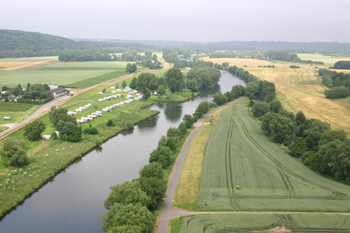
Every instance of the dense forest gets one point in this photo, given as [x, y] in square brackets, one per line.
[29, 44]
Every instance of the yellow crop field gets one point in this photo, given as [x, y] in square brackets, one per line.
[298, 90]
[19, 65]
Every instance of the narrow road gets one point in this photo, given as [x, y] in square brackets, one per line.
[167, 211]
[35, 114]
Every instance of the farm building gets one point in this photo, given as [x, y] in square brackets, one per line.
[6, 118]
[119, 90]
[112, 87]
[101, 93]
[101, 100]
[58, 92]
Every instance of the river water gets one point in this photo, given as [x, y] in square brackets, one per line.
[73, 200]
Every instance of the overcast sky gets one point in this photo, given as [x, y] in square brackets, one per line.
[183, 20]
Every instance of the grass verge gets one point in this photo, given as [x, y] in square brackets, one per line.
[188, 186]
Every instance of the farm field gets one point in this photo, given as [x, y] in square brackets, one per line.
[188, 185]
[298, 90]
[328, 60]
[55, 77]
[87, 64]
[261, 223]
[244, 170]
[29, 59]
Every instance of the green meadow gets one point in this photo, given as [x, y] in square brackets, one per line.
[244, 170]
[55, 77]
[214, 223]
[328, 60]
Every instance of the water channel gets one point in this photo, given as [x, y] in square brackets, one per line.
[73, 200]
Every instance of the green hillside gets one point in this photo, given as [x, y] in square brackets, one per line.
[32, 44]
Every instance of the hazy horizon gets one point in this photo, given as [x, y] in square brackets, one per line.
[188, 21]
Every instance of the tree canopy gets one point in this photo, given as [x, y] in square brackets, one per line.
[174, 80]
[14, 152]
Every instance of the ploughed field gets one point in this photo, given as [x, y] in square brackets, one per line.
[244, 170]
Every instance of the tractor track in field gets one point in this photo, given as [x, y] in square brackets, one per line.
[170, 213]
[283, 168]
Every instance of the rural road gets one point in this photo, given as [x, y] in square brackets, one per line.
[35, 114]
[167, 211]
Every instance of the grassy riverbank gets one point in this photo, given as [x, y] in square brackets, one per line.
[48, 158]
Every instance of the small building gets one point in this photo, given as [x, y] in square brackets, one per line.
[57, 133]
[7, 118]
[101, 93]
[58, 92]
[47, 137]
[101, 100]
[112, 87]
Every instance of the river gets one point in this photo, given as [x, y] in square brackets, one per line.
[73, 200]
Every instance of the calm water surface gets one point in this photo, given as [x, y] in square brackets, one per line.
[73, 200]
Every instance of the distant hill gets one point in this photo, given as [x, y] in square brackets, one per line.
[29, 44]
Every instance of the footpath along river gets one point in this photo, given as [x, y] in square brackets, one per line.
[73, 200]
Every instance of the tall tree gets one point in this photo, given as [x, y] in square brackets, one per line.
[33, 130]
[14, 152]
[121, 217]
[133, 83]
[174, 79]
[126, 193]
[146, 84]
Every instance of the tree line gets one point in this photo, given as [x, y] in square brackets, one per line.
[140, 199]
[318, 146]
[342, 65]
[285, 56]
[339, 83]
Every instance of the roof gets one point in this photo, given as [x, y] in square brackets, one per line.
[59, 91]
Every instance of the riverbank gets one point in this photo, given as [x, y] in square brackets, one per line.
[49, 158]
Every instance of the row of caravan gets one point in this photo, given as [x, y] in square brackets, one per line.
[89, 117]
[110, 98]
[78, 110]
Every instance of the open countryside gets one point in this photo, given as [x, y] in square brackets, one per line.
[244, 170]
[114, 142]
[298, 90]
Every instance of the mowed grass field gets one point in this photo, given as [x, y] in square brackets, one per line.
[328, 60]
[244, 170]
[298, 90]
[55, 77]
[261, 223]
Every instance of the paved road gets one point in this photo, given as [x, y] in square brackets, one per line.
[35, 114]
[168, 212]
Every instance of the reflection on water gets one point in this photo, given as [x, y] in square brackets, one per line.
[149, 123]
[173, 111]
[73, 200]
[127, 132]
[98, 149]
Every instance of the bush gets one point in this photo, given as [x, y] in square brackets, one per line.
[91, 130]
[110, 123]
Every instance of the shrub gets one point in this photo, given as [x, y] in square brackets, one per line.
[91, 130]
